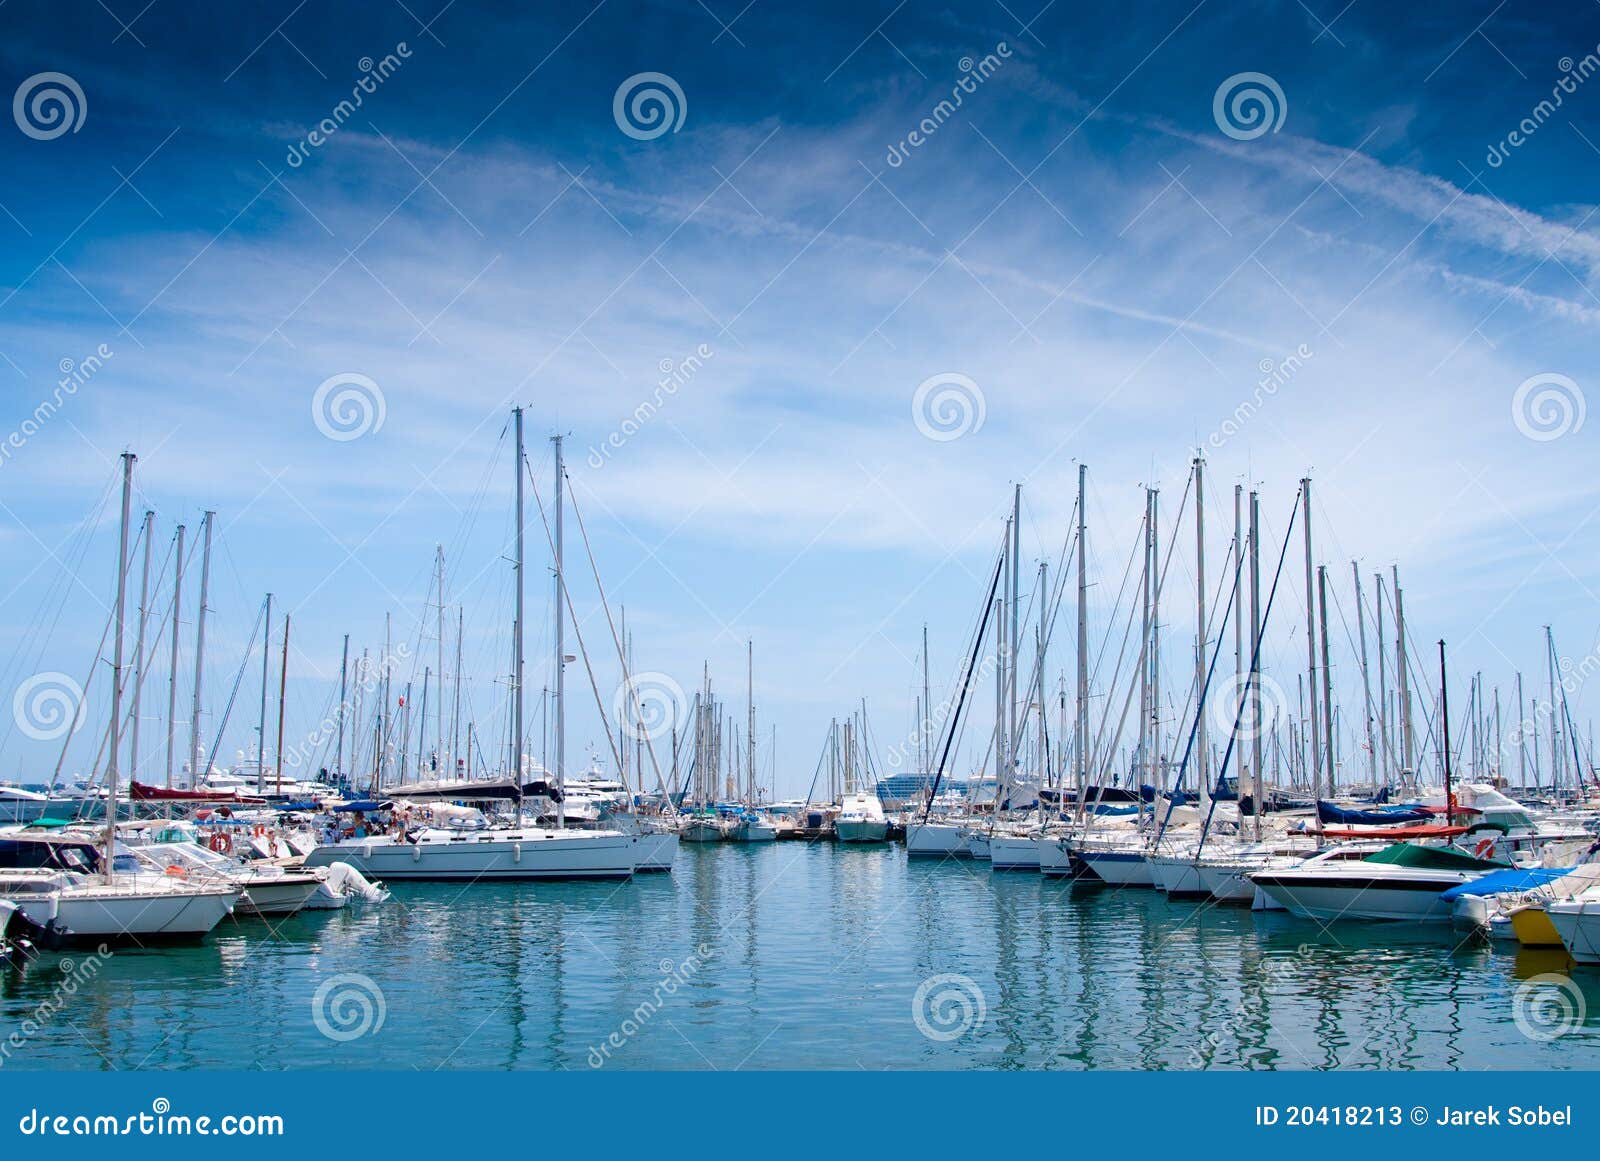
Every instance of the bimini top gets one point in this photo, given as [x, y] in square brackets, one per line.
[1432, 858]
[1507, 882]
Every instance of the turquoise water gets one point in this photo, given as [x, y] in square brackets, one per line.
[798, 956]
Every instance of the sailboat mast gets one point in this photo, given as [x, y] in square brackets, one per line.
[1444, 738]
[116, 664]
[1383, 676]
[1016, 589]
[1403, 678]
[283, 687]
[1327, 675]
[455, 685]
[1038, 684]
[344, 668]
[561, 660]
[1258, 793]
[1202, 765]
[1558, 761]
[138, 647]
[200, 648]
[1142, 768]
[438, 713]
[1156, 743]
[1366, 676]
[750, 729]
[1082, 727]
[1311, 645]
[515, 767]
[261, 722]
[172, 677]
[926, 722]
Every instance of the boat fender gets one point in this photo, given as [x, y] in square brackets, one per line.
[416, 852]
[516, 852]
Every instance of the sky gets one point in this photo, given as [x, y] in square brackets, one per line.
[806, 290]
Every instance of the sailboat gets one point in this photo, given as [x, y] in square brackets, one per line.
[88, 894]
[522, 849]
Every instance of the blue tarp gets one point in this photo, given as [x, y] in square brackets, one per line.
[1506, 882]
[1378, 816]
[363, 805]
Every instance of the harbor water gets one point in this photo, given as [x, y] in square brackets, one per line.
[795, 955]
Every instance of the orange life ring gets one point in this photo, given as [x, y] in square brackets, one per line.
[221, 843]
[1485, 847]
[177, 871]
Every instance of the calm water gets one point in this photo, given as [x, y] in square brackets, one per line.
[812, 957]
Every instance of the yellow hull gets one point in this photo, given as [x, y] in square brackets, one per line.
[1533, 927]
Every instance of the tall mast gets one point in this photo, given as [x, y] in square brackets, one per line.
[1082, 727]
[283, 686]
[1402, 677]
[1202, 766]
[1311, 645]
[1258, 794]
[1016, 609]
[926, 724]
[1038, 682]
[1327, 675]
[1366, 677]
[172, 679]
[138, 648]
[1522, 742]
[1156, 743]
[200, 649]
[1558, 763]
[1002, 778]
[438, 715]
[515, 767]
[1238, 587]
[455, 684]
[1444, 738]
[116, 664]
[261, 724]
[750, 728]
[381, 753]
[561, 660]
[344, 668]
[1383, 675]
[1142, 771]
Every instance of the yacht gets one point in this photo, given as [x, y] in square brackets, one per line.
[20, 805]
[1402, 880]
[527, 852]
[861, 820]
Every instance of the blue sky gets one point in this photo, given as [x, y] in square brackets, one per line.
[1080, 239]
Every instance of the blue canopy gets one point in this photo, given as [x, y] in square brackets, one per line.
[1377, 816]
[1506, 882]
[362, 805]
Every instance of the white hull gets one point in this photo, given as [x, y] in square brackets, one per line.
[1177, 875]
[1350, 894]
[1229, 882]
[1055, 858]
[936, 840]
[277, 896]
[1009, 852]
[91, 914]
[656, 851]
[754, 832]
[978, 845]
[1119, 868]
[703, 831]
[863, 830]
[526, 854]
[1578, 924]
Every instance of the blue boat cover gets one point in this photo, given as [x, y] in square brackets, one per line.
[1378, 816]
[1506, 882]
[362, 805]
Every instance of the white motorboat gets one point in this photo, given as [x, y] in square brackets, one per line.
[861, 820]
[85, 909]
[1577, 922]
[752, 828]
[528, 852]
[936, 840]
[19, 805]
[1401, 881]
[268, 889]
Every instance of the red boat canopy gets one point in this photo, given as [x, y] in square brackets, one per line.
[1394, 832]
[142, 793]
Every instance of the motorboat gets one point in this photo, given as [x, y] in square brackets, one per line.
[1399, 881]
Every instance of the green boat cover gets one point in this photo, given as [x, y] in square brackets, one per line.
[1432, 858]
